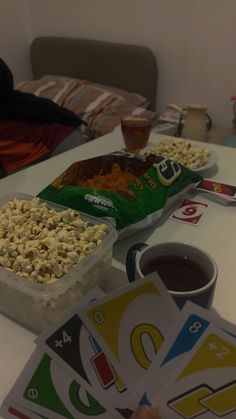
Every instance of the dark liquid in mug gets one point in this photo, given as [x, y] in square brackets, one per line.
[178, 273]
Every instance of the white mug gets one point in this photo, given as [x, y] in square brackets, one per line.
[142, 257]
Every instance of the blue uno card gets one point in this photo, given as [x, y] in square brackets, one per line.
[188, 328]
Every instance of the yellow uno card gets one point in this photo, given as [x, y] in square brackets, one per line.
[131, 325]
[204, 386]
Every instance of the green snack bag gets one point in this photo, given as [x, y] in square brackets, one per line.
[130, 189]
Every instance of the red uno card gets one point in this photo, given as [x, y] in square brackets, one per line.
[190, 212]
[217, 188]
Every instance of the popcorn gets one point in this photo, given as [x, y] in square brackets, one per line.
[42, 244]
[182, 151]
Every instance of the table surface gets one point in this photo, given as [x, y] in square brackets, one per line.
[216, 234]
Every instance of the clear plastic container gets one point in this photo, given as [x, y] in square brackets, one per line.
[35, 305]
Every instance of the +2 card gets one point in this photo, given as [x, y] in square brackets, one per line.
[204, 386]
[188, 328]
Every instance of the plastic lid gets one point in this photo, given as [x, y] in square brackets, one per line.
[196, 106]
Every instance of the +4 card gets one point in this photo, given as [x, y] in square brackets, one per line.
[34, 403]
[74, 348]
[204, 385]
[188, 328]
[131, 325]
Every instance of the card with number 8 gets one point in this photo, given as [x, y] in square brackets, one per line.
[204, 385]
[188, 328]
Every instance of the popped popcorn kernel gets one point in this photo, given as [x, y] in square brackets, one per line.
[42, 244]
[182, 151]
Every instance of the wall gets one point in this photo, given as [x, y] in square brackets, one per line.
[192, 40]
[15, 37]
[145, 22]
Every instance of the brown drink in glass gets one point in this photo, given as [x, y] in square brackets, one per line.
[135, 131]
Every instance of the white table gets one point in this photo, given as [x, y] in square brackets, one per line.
[216, 234]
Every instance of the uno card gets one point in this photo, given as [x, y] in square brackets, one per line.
[18, 411]
[190, 325]
[227, 192]
[204, 385]
[190, 212]
[74, 348]
[131, 325]
[45, 388]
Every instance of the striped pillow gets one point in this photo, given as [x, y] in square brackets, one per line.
[100, 107]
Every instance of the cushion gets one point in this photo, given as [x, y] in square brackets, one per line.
[134, 98]
[101, 107]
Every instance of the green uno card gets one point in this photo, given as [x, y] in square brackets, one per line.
[45, 388]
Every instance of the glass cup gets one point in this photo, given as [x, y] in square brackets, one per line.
[135, 131]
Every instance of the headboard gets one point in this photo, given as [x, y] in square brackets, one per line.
[129, 67]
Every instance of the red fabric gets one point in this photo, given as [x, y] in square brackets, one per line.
[22, 143]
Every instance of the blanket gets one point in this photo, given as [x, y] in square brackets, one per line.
[30, 127]
[23, 143]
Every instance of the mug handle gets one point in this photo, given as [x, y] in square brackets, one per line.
[130, 260]
[209, 122]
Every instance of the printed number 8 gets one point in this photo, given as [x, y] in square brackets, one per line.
[196, 326]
